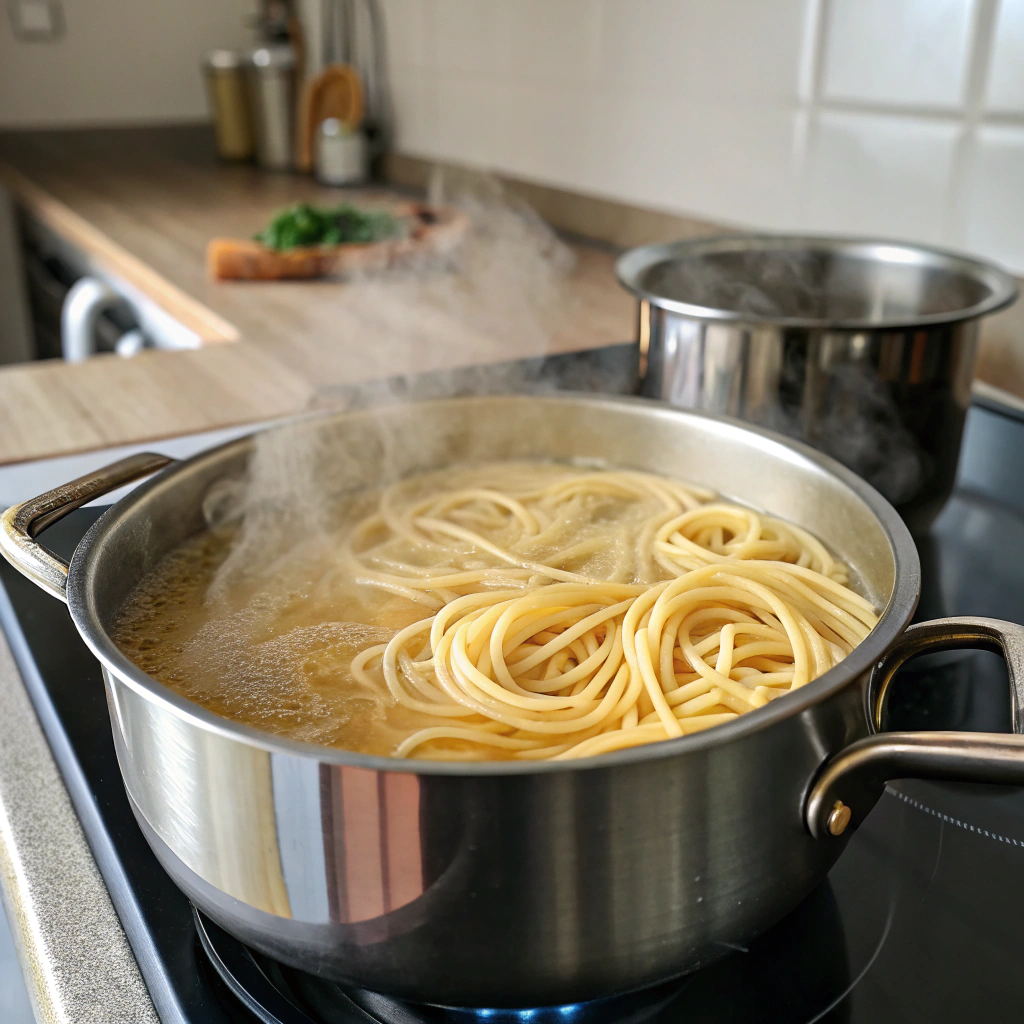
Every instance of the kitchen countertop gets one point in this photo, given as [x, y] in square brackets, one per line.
[143, 203]
[78, 966]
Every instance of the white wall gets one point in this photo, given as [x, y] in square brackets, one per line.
[903, 118]
[118, 61]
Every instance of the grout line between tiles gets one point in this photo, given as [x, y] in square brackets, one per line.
[812, 73]
[955, 220]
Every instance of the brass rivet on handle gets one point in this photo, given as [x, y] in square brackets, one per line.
[839, 818]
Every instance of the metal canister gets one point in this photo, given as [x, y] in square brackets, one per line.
[271, 79]
[224, 71]
[863, 348]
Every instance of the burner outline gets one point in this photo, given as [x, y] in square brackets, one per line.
[966, 825]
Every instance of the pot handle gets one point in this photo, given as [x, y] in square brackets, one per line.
[853, 780]
[21, 524]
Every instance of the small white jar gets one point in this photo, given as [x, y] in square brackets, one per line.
[341, 154]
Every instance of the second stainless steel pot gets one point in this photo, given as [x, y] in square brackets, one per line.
[514, 884]
[864, 349]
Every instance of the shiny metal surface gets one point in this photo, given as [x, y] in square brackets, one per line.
[961, 633]
[224, 72]
[502, 884]
[856, 777]
[21, 524]
[862, 349]
[270, 79]
[83, 305]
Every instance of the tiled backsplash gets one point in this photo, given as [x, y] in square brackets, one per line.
[117, 62]
[903, 118]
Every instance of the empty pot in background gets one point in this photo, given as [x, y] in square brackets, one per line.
[864, 349]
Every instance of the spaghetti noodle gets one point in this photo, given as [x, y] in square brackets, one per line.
[526, 658]
[503, 611]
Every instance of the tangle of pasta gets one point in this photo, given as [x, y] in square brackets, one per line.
[579, 612]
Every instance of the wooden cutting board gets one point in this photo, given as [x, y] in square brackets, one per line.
[336, 92]
[436, 232]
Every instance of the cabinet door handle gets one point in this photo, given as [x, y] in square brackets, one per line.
[87, 298]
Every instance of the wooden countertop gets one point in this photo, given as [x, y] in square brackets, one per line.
[143, 203]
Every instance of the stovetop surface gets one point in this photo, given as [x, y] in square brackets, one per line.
[918, 921]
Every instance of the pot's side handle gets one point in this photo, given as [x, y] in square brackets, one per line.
[852, 781]
[21, 524]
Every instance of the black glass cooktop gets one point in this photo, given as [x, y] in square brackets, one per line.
[918, 921]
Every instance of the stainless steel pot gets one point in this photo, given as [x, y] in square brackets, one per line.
[863, 349]
[515, 884]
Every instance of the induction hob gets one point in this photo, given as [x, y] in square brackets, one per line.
[918, 920]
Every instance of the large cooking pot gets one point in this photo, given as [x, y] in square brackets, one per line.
[861, 347]
[516, 884]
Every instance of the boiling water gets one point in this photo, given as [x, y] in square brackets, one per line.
[267, 638]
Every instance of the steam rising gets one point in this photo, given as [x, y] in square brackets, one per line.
[502, 289]
[811, 283]
[881, 397]
[505, 288]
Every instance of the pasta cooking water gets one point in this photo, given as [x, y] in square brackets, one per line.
[524, 611]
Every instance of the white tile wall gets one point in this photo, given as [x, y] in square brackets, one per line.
[643, 54]
[470, 37]
[739, 166]
[871, 174]
[409, 34]
[896, 117]
[414, 93]
[996, 212]
[543, 133]
[471, 119]
[714, 49]
[897, 52]
[117, 62]
[1006, 81]
[739, 48]
[552, 43]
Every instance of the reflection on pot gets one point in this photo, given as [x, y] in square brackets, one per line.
[863, 349]
[891, 406]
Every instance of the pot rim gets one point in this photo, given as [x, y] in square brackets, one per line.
[892, 621]
[632, 265]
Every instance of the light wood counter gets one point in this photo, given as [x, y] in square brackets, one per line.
[143, 203]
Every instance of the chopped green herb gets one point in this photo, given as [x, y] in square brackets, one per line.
[304, 225]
